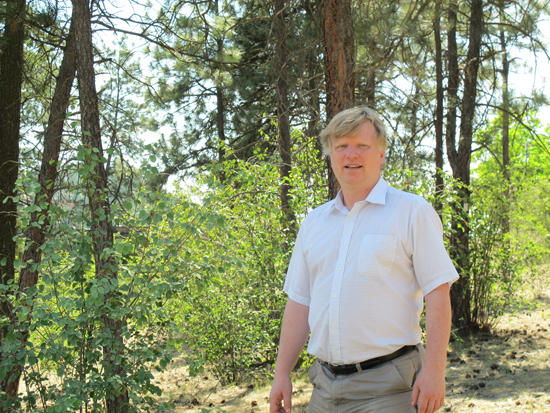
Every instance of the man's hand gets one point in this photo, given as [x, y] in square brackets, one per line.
[281, 392]
[429, 391]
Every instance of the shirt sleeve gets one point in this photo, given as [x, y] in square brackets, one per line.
[431, 262]
[297, 277]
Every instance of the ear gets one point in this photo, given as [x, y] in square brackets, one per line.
[329, 147]
[382, 159]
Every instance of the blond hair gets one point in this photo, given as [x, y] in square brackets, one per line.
[348, 122]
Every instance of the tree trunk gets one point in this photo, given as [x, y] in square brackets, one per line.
[284, 142]
[439, 184]
[46, 178]
[411, 156]
[50, 158]
[460, 163]
[371, 87]
[339, 42]
[11, 77]
[505, 150]
[459, 293]
[470, 91]
[117, 399]
[452, 86]
[314, 105]
[220, 123]
[312, 65]
[220, 103]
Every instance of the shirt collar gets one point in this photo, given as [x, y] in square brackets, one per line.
[338, 203]
[377, 195]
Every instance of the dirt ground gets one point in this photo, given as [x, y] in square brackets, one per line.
[506, 370]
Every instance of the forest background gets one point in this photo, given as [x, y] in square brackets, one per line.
[156, 161]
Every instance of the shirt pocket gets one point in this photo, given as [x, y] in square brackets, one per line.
[377, 253]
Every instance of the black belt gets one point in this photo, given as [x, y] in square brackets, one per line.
[345, 369]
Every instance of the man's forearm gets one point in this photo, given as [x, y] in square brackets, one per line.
[429, 388]
[438, 328]
[294, 333]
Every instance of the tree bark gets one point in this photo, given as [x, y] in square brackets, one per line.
[505, 149]
[117, 399]
[468, 106]
[339, 42]
[11, 78]
[371, 87]
[36, 231]
[220, 120]
[220, 123]
[452, 86]
[439, 184]
[284, 142]
[313, 83]
[314, 105]
[220, 103]
[460, 163]
[50, 158]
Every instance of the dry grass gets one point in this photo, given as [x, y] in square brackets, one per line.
[506, 370]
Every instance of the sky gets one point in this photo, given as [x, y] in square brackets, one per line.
[530, 73]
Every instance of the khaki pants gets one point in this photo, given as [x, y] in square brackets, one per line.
[384, 389]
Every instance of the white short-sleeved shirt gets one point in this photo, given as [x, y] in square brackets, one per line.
[364, 273]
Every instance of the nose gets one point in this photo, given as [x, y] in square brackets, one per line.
[351, 151]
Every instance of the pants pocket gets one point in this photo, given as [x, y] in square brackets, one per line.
[407, 368]
[312, 371]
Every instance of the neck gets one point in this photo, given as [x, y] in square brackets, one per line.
[353, 195]
[351, 198]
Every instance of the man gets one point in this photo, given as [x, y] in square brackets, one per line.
[361, 267]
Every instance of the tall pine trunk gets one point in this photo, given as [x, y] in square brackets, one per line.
[220, 102]
[314, 104]
[505, 150]
[281, 69]
[39, 221]
[11, 78]
[439, 184]
[313, 82]
[460, 159]
[117, 399]
[339, 42]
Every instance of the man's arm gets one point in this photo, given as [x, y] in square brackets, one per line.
[294, 333]
[429, 387]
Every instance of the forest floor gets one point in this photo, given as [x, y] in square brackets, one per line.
[504, 370]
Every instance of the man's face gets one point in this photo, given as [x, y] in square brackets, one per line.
[356, 159]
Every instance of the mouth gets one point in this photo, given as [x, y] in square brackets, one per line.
[353, 166]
